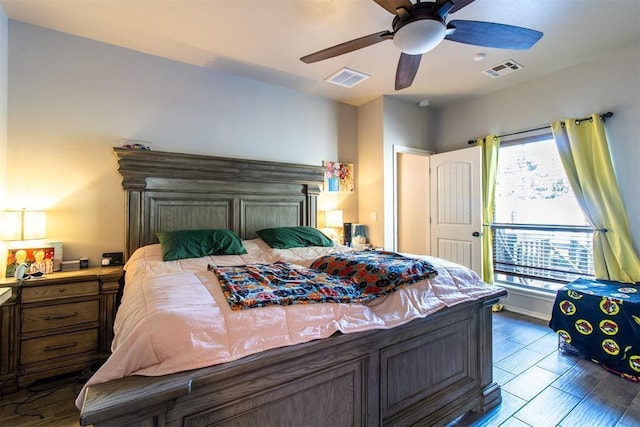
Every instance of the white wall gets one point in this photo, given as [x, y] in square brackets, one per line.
[609, 83]
[70, 100]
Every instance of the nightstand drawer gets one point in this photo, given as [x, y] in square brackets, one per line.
[59, 315]
[63, 290]
[45, 348]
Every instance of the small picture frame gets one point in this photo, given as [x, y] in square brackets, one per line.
[37, 260]
[338, 176]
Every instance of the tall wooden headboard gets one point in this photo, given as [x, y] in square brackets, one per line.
[172, 191]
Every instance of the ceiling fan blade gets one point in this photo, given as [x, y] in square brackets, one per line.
[392, 5]
[347, 47]
[491, 34]
[407, 69]
[457, 4]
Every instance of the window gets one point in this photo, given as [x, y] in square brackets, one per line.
[541, 238]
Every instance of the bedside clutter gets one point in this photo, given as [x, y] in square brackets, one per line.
[75, 264]
[355, 235]
[70, 265]
[361, 246]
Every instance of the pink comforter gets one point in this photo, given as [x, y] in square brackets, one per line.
[174, 317]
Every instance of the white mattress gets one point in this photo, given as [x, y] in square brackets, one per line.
[174, 317]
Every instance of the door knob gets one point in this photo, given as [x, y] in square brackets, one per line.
[475, 234]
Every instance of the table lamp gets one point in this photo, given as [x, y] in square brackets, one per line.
[333, 220]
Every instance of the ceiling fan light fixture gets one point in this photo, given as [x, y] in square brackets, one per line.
[421, 26]
[419, 36]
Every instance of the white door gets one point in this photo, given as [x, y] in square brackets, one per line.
[413, 203]
[456, 207]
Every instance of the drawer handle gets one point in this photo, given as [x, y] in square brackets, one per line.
[60, 347]
[60, 316]
[61, 290]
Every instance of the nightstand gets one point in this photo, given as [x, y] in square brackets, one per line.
[57, 324]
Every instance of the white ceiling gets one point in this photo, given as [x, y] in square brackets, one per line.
[264, 39]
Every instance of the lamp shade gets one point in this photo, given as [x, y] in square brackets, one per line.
[10, 225]
[34, 225]
[23, 225]
[333, 218]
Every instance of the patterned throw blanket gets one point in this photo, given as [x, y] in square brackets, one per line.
[367, 276]
[376, 272]
[259, 285]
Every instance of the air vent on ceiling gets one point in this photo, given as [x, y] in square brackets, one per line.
[505, 68]
[347, 77]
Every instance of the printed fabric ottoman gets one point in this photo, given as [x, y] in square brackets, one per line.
[600, 320]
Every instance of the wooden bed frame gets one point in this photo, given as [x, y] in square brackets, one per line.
[427, 372]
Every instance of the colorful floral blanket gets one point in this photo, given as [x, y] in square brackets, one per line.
[340, 278]
[376, 272]
[259, 285]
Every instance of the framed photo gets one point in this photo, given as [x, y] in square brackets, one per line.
[38, 260]
[338, 176]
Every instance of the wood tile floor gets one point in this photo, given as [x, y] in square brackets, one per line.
[42, 404]
[540, 387]
[544, 387]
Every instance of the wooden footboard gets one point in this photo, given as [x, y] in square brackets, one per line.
[427, 372]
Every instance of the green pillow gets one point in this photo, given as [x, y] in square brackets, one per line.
[182, 244]
[293, 237]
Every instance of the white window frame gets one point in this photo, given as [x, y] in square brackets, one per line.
[513, 261]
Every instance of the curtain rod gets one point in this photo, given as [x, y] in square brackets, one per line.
[603, 116]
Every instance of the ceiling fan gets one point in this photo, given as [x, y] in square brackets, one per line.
[419, 27]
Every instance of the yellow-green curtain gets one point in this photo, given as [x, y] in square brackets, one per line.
[490, 145]
[584, 151]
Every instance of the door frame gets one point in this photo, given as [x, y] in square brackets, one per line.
[397, 150]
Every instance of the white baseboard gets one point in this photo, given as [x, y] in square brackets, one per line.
[529, 302]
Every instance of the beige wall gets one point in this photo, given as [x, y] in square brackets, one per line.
[413, 202]
[369, 173]
[4, 35]
[406, 125]
[383, 123]
[347, 202]
[70, 100]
